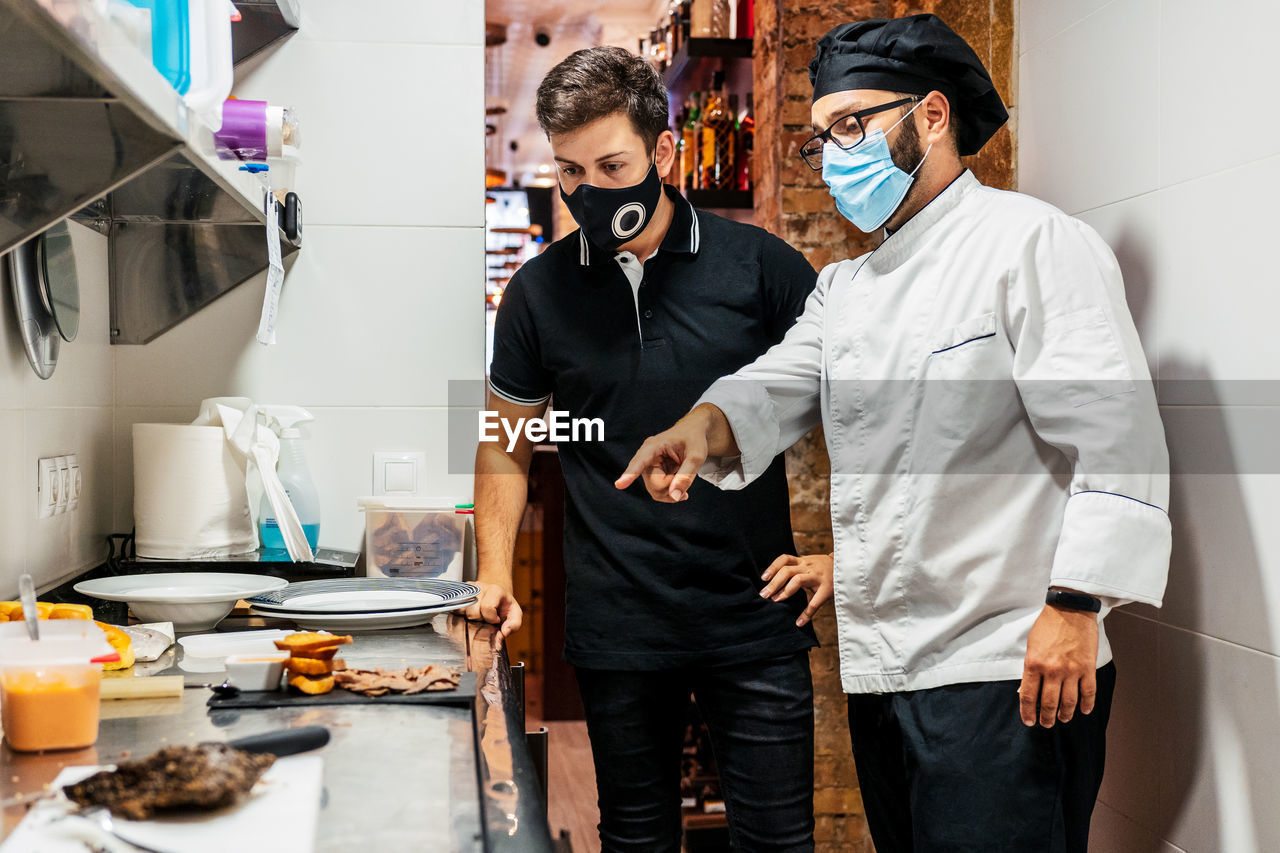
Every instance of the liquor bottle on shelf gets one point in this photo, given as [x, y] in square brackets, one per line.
[746, 145]
[674, 28]
[721, 18]
[745, 20]
[700, 18]
[717, 143]
[690, 164]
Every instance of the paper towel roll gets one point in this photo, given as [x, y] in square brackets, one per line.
[189, 498]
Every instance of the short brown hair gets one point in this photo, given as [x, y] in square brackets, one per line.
[600, 81]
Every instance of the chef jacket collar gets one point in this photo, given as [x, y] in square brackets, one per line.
[899, 245]
[683, 234]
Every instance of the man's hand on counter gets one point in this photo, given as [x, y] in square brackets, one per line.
[497, 606]
[789, 574]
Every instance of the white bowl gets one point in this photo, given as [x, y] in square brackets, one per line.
[256, 672]
[192, 601]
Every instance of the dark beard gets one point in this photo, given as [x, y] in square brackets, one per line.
[907, 155]
[905, 150]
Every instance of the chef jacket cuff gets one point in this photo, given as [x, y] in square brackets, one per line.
[749, 410]
[1114, 547]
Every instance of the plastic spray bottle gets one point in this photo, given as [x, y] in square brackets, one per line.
[294, 474]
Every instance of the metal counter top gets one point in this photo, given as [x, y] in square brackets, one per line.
[396, 777]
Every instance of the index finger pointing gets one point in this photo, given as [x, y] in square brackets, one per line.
[635, 468]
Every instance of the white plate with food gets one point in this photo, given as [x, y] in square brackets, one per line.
[192, 601]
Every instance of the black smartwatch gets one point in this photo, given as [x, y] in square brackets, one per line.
[1073, 600]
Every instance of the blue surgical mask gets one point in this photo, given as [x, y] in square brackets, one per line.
[866, 184]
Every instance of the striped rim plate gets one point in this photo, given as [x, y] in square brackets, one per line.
[366, 595]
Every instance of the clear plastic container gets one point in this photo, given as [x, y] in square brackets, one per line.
[414, 537]
[212, 72]
[49, 687]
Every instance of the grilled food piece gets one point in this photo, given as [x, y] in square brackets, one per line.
[203, 777]
[313, 684]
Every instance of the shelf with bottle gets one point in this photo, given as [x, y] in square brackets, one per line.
[698, 28]
[715, 142]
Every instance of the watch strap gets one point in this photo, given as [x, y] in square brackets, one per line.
[1073, 600]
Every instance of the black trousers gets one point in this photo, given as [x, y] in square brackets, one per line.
[760, 717]
[954, 770]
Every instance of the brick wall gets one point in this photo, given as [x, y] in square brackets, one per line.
[792, 202]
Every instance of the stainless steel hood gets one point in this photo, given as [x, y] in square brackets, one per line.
[88, 128]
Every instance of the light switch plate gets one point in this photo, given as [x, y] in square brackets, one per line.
[399, 473]
[76, 483]
[64, 484]
[47, 485]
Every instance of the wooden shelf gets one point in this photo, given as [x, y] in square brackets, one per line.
[695, 51]
[721, 199]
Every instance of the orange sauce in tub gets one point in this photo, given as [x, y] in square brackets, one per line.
[49, 709]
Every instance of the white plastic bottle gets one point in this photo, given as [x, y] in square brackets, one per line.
[294, 475]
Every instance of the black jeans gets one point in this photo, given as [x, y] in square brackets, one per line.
[954, 770]
[760, 717]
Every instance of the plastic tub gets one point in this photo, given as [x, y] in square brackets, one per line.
[414, 537]
[49, 687]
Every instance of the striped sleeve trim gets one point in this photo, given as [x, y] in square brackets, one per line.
[512, 398]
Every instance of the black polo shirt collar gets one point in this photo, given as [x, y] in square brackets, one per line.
[683, 234]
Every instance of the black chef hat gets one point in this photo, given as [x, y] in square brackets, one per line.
[915, 55]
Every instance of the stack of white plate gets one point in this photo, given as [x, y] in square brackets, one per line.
[363, 604]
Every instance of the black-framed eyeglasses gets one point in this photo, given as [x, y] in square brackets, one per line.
[846, 132]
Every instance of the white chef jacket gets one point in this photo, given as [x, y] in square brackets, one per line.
[992, 430]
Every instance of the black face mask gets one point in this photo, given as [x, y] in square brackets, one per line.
[611, 217]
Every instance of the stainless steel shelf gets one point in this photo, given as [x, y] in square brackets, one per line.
[88, 128]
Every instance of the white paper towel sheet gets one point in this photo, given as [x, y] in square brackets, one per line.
[189, 498]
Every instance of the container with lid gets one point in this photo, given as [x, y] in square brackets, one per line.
[49, 687]
[415, 537]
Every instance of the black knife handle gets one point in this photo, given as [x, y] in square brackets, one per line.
[284, 742]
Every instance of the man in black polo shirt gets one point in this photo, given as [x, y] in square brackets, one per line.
[628, 320]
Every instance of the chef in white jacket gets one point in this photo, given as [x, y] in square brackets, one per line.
[999, 475]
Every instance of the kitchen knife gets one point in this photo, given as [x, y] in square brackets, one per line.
[284, 742]
[277, 743]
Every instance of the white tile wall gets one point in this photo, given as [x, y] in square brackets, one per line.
[1086, 134]
[1212, 115]
[68, 413]
[403, 21]
[1040, 20]
[1219, 735]
[1106, 91]
[1218, 287]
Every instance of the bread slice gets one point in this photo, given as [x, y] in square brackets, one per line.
[311, 666]
[310, 640]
